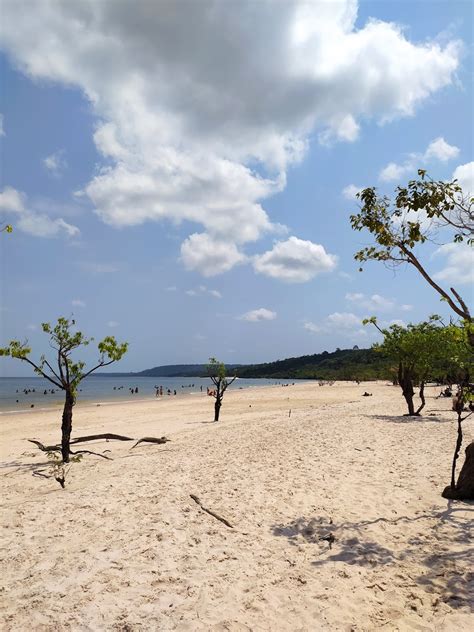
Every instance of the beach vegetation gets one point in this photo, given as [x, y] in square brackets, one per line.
[422, 352]
[62, 371]
[217, 372]
[417, 215]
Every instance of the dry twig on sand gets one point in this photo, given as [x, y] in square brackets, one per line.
[210, 512]
[158, 440]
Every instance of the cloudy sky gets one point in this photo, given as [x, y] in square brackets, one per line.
[181, 174]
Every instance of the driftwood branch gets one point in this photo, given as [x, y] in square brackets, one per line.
[210, 512]
[158, 440]
[57, 448]
[107, 436]
[102, 456]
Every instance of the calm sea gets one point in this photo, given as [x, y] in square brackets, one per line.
[35, 393]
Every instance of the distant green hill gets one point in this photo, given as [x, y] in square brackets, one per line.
[342, 364]
[180, 370]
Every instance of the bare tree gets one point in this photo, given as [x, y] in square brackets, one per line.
[217, 373]
[68, 374]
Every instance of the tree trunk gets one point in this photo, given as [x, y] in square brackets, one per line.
[457, 448]
[406, 384]
[66, 426]
[464, 489]
[217, 408]
[422, 397]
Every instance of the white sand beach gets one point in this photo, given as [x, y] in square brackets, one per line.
[124, 546]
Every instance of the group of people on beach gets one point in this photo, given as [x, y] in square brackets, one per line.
[159, 391]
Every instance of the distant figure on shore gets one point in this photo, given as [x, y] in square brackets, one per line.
[175, 392]
[136, 389]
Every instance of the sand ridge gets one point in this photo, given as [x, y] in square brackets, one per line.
[124, 547]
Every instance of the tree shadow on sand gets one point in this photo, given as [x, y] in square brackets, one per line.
[401, 419]
[446, 571]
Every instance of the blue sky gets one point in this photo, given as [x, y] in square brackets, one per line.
[182, 179]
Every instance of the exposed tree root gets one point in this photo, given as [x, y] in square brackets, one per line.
[158, 440]
[40, 473]
[210, 512]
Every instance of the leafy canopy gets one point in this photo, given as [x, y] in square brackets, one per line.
[428, 349]
[67, 373]
[418, 212]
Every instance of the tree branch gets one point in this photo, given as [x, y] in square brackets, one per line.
[52, 370]
[461, 302]
[101, 364]
[41, 372]
[414, 261]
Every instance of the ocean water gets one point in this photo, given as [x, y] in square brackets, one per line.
[28, 394]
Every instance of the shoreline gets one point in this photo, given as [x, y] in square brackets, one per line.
[115, 398]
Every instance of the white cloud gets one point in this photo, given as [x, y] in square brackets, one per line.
[55, 163]
[112, 323]
[464, 174]
[395, 321]
[459, 268]
[12, 201]
[375, 303]
[203, 290]
[196, 129]
[312, 327]
[344, 324]
[76, 302]
[344, 320]
[437, 150]
[2, 130]
[257, 315]
[171, 288]
[350, 191]
[294, 261]
[32, 327]
[395, 172]
[32, 221]
[209, 256]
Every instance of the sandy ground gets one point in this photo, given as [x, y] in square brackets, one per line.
[124, 547]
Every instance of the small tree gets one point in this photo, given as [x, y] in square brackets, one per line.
[68, 374]
[422, 351]
[419, 211]
[217, 373]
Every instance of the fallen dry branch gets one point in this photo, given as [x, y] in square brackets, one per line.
[45, 448]
[40, 473]
[158, 440]
[57, 448]
[210, 512]
[107, 436]
[102, 456]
